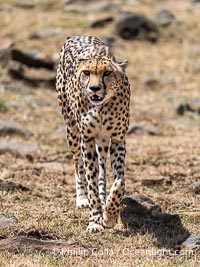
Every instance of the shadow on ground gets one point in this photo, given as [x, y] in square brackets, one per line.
[141, 215]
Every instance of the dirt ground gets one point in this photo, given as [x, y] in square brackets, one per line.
[38, 189]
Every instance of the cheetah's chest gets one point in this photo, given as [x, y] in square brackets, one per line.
[103, 122]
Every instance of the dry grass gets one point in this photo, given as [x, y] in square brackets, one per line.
[49, 204]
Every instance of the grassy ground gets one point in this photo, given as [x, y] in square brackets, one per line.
[48, 206]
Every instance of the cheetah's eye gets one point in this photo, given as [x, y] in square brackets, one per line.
[107, 73]
[86, 72]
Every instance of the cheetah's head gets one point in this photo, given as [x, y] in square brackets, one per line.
[100, 78]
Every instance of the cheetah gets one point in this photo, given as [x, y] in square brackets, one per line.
[94, 97]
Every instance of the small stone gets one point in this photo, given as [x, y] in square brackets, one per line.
[60, 132]
[5, 222]
[152, 182]
[100, 23]
[24, 5]
[132, 26]
[14, 105]
[55, 58]
[88, 6]
[151, 82]
[195, 105]
[195, 2]
[16, 148]
[50, 165]
[2, 88]
[164, 18]
[11, 186]
[182, 108]
[142, 128]
[170, 82]
[36, 102]
[18, 87]
[13, 128]
[195, 187]
[183, 122]
[192, 242]
[6, 45]
[46, 32]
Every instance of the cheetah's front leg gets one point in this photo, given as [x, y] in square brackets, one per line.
[117, 156]
[90, 161]
[102, 145]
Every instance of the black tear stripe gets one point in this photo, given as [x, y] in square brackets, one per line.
[104, 85]
[88, 82]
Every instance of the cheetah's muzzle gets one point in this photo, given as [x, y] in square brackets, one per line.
[96, 99]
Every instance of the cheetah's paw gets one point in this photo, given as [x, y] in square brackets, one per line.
[82, 203]
[94, 227]
[109, 221]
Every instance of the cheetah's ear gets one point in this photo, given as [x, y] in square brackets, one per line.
[123, 65]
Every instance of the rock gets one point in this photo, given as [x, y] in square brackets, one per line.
[195, 187]
[183, 122]
[13, 128]
[108, 40]
[14, 105]
[142, 128]
[151, 82]
[5, 7]
[11, 186]
[5, 222]
[32, 59]
[34, 101]
[6, 45]
[182, 108]
[195, 105]
[194, 50]
[164, 18]
[170, 82]
[195, 2]
[24, 244]
[16, 148]
[192, 242]
[88, 6]
[46, 32]
[18, 87]
[100, 23]
[195, 66]
[32, 76]
[55, 58]
[60, 132]
[135, 26]
[152, 182]
[50, 165]
[24, 5]
[140, 204]
[2, 88]
[136, 207]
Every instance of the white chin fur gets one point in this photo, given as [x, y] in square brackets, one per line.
[96, 103]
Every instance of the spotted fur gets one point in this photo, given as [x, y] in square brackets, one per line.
[94, 95]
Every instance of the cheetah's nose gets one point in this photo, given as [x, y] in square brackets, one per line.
[95, 88]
